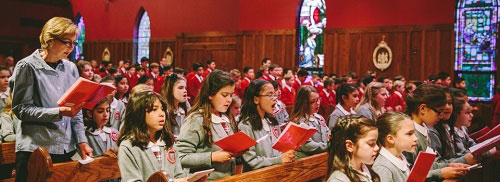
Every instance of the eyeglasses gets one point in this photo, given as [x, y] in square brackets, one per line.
[435, 110]
[67, 43]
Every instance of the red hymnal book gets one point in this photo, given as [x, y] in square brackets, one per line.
[293, 137]
[482, 147]
[237, 142]
[84, 90]
[479, 133]
[493, 132]
[422, 166]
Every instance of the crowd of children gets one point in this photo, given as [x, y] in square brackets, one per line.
[164, 119]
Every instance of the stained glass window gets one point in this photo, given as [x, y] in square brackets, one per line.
[476, 29]
[77, 52]
[310, 25]
[144, 34]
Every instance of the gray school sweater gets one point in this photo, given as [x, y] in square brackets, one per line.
[138, 165]
[195, 154]
[438, 146]
[338, 176]
[317, 143]
[280, 113]
[8, 127]
[389, 171]
[336, 114]
[102, 144]
[262, 154]
[180, 114]
[117, 111]
[422, 144]
[463, 141]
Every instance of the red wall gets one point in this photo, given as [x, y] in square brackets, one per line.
[168, 17]
[280, 14]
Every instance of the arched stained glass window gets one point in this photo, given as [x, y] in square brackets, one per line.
[311, 20]
[78, 51]
[476, 29]
[143, 36]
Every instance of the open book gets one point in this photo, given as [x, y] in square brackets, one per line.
[237, 142]
[422, 166]
[200, 174]
[293, 137]
[491, 133]
[483, 147]
[84, 90]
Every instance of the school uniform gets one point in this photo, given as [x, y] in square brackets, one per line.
[423, 144]
[117, 111]
[137, 164]
[262, 154]
[288, 95]
[437, 146]
[132, 80]
[102, 140]
[157, 82]
[180, 114]
[327, 99]
[193, 87]
[317, 143]
[462, 140]
[4, 96]
[280, 113]
[195, 154]
[338, 176]
[364, 110]
[396, 99]
[390, 168]
[8, 124]
[206, 72]
[245, 82]
[337, 113]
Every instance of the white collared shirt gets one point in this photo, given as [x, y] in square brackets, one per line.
[344, 111]
[398, 93]
[272, 77]
[102, 133]
[326, 93]
[460, 131]
[288, 87]
[249, 81]
[223, 119]
[199, 77]
[422, 129]
[401, 163]
[155, 147]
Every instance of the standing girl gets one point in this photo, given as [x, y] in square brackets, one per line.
[146, 141]
[347, 98]
[396, 134]
[352, 147]
[207, 122]
[373, 101]
[101, 136]
[175, 92]
[257, 121]
[306, 111]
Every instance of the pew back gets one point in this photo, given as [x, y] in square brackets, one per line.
[8, 153]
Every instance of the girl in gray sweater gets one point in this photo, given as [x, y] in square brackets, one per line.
[100, 135]
[146, 142]
[175, 92]
[257, 122]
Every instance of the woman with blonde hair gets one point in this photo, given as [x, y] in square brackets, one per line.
[372, 104]
[39, 80]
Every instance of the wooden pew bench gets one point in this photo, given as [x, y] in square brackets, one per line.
[304, 169]
[41, 168]
[8, 153]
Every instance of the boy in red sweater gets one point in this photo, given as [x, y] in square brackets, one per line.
[249, 75]
[287, 92]
[194, 83]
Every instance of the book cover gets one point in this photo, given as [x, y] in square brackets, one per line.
[483, 147]
[491, 133]
[84, 90]
[235, 143]
[293, 137]
[200, 174]
[422, 166]
[480, 133]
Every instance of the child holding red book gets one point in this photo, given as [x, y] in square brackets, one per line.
[305, 111]
[257, 121]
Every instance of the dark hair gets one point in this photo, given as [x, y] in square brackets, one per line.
[178, 70]
[196, 65]
[275, 84]
[458, 106]
[382, 78]
[249, 112]
[135, 128]
[112, 70]
[210, 61]
[302, 107]
[144, 59]
[88, 121]
[351, 127]
[79, 65]
[117, 80]
[273, 66]
[167, 67]
[328, 82]
[265, 60]
[458, 92]
[246, 69]
[302, 72]
[430, 95]
[345, 90]
[388, 124]
[433, 78]
[143, 79]
[368, 79]
[212, 84]
[139, 68]
[107, 78]
[446, 150]
[443, 75]
[167, 92]
[457, 80]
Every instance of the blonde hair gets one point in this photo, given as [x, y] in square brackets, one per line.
[234, 72]
[399, 83]
[140, 88]
[288, 77]
[57, 27]
[371, 91]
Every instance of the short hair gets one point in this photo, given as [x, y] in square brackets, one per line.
[399, 83]
[443, 75]
[178, 70]
[399, 77]
[234, 72]
[302, 72]
[246, 69]
[196, 65]
[55, 28]
[273, 66]
[144, 59]
[144, 79]
[288, 77]
[328, 82]
[154, 65]
[210, 61]
[368, 79]
[108, 78]
[264, 67]
[382, 78]
[265, 60]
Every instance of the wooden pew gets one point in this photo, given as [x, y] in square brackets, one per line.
[304, 169]
[8, 153]
[41, 168]
[158, 177]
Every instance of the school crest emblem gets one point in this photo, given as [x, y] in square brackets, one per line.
[275, 131]
[114, 135]
[171, 156]
[117, 116]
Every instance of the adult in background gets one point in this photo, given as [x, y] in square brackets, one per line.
[39, 80]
